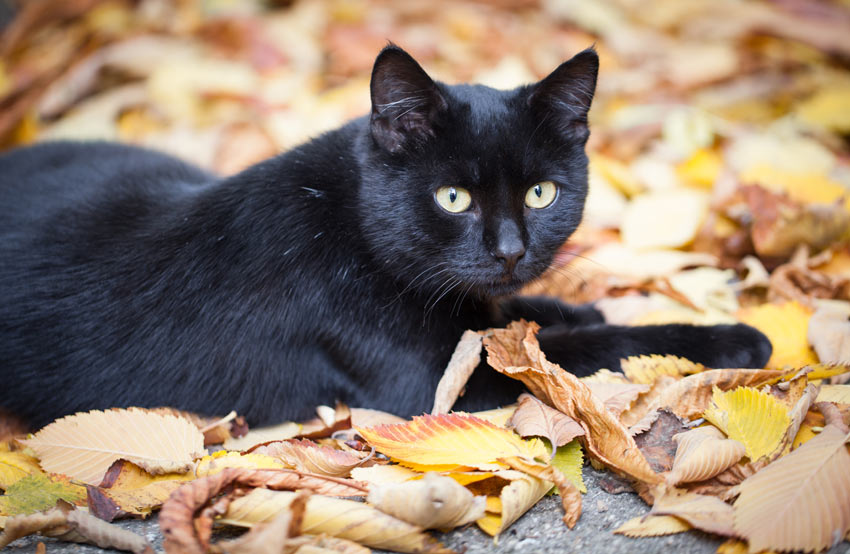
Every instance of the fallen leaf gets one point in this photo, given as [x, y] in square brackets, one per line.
[68, 524]
[652, 526]
[262, 435]
[570, 495]
[786, 325]
[832, 416]
[186, 518]
[274, 537]
[657, 444]
[383, 474]
[521, 493]
[84, 445]
[464, 360]
[647, 369]
[515, 352]
[683, 209]
[533, 418]
[617, 397]
[840, 394]
[568, 459]
[14, 466]
[221, 460]
[706, 513]
[307, 456]
[829, 334]
[752, 417]
[128, 489]
[330, 421]
[433, 502]
[689, 397]
[449, 441]
[801, 501]
[336, 517]
[497, 416]
[646, 403]
[365, 417]
[38, 492]
[701, 454]
[605, 376]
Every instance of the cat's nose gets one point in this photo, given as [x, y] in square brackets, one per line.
[509, 246]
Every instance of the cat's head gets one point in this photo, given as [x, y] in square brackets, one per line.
[468, 188]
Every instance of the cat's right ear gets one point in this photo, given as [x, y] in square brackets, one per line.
[406, 102]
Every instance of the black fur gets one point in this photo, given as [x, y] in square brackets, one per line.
[326, 273]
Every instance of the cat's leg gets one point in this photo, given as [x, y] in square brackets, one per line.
[548, 311]
[583, 350]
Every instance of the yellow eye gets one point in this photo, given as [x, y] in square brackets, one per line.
[453, 199]
[541, 195]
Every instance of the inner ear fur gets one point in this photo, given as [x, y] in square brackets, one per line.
[565, 94]
[406, 102]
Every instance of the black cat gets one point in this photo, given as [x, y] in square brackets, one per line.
[345, 269]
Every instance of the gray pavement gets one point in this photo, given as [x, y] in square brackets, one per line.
[539, 530]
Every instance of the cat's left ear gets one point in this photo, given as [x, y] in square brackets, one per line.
[406, 103]
[565, 95]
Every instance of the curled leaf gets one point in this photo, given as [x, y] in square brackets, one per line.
[652, 526]
[307, 456]
[706, 513]
[702, 453]
[647, 369]
[521, 493]
[464, 360]
[570, 495]
[433, 502]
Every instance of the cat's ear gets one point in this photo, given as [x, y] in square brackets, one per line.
[406, 102]
[565, 95]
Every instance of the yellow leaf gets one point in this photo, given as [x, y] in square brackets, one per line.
[497, 416]
[617, 173]
[133, 490]
[702, 168]
[804, 434]
[752, 417]
[646, 369]
[829, 107]
[450, 441]
[569, 460]
[14, 466]
[733, 546]
[336, 517]
[218, 461]
[786, 325]
[35, 493]
[523, 492]
[808, 188]
[801, 501]
[840, 394]
[84, 445]
[652, 526]
[570, 495]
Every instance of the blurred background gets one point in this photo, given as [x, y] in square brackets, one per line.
[719, 129]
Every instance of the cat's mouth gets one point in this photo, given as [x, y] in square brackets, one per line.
[507, 284]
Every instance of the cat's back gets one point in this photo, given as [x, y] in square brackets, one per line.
[53, 177]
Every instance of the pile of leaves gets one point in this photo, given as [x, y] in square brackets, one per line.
[757, 455]
[719, 181]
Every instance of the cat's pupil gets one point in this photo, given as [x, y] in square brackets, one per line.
[452, 195]
[538, 190]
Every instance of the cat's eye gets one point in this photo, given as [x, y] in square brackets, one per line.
[541, 195]
[453, 199]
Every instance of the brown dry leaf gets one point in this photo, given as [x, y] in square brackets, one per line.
[464, 360]
[517, 492]
[605, 376]
[533, 418]
[84, 445]
[68, 524]
[833, 416]
[515, 352]
[703, 453]
[570, 495]
[840, 394]
[274, 537]
[335, 517]
[330, 421]
[647, 369]
[706, 513]
[305, 455]
[657, 444]
[127, 489]
[797, 413]
[801, 501]
[617, 397]
[186, 535]
[646, 404]
[652, 526]
[365, 417]
[780, 225]
[262, 435]
[829, 333]
[689, 397]
[433, 502]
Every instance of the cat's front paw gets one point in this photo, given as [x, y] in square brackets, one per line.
[740, 346]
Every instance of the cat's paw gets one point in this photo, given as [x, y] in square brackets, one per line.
[740, 346]
[548, 311]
